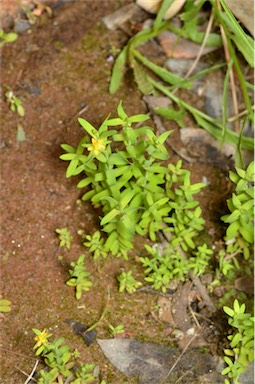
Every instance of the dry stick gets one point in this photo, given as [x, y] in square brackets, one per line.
[179, 358]
[201, 289]
[231, 73]
[24, 373]
[16, 353]
[207, 32]
[236, 117]
[32, 373]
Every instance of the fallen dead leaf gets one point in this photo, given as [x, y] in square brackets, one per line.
[165, 310]
[177, 47]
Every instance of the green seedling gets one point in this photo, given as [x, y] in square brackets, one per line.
[241, 351]
[127, 282]
[80, 278]
[96, 245]
[114, 331]
[164, 265]
[84, 374]
[65, 237]
[5, 305]
[15, 103]
[241, 204]
[7, 37]
[61, 361]
[124, 175]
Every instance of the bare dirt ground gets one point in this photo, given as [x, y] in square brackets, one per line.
[57, 68]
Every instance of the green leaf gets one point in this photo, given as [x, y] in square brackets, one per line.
[118, 71]
[141, 78]
[20, 110]
[247, 235]
[5, 305]
[208, 123]
[161, 13]
[244, 42]
[228, 311]
[163, 73]
[68, 156]
[88, 127]
[232, 217]
[84, 182]
[68, 148]
[21, 136]
[232, 229]
[172, 114]
[115, 122]
[71, 168]
[10, 37]
[110, 216]
[138, 118]
[236, 339]
[117, 159]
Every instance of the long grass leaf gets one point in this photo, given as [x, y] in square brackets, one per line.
[163, 73]
[205, 121]
[161, 13]
[244, 42]
[241, 77]
[224, 99]
[141, 78]
[199, 74]
[118, 71]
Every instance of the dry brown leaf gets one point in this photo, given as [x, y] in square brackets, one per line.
[179, 47]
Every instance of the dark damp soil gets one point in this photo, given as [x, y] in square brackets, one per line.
[57, 68]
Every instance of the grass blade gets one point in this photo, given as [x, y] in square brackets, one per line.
[161, 13]
[163, 73]
[118, 71]
[207, 122]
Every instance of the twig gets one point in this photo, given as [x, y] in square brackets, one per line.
[179, 357]
[207, 32]
[105, 310]
[204, 317]
[236, 117]
[202, 291]
[16, 353]
[182, 376]
[30, 377]
[24, 373]
[193, 314]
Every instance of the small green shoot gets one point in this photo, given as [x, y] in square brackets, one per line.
[62, 362]
[80, 278]
[5, 305]
[15, 103]
[241, 351]
[7, 37]
[115, 331]
[65, 237]
[96, 245]
[162, 266]
[127, 282]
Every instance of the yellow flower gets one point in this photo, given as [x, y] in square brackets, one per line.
[41, 339]
[97, 146]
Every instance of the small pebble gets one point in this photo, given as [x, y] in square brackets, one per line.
[22, 25]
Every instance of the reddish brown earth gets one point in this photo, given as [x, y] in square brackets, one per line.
[57, 68]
